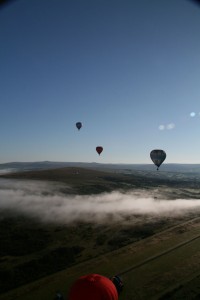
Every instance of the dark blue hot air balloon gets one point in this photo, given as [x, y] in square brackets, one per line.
[79, 125]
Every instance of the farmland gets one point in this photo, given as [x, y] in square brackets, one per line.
[157, 255]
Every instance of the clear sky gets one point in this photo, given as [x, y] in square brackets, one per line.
[129, 70]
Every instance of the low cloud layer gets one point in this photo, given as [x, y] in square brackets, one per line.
[49, 203]
[6, 171]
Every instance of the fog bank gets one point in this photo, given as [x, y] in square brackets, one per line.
[47, 202]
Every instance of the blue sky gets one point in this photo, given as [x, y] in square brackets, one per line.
[128, 70]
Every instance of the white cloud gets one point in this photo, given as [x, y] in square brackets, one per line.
[5, 171]
[161, 127]
[170, 126]
[192, 114]
[45, 202]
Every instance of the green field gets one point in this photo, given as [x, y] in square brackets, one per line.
[158, 257]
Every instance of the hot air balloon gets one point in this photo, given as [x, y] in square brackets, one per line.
[158, 156]
[79, 125]
[99, 149]
[93, 287]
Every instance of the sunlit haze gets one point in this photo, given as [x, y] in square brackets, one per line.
[128, 70]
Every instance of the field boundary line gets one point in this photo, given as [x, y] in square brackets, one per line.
[175, 287]
[158, 255]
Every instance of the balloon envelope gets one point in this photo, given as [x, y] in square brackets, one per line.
[99, 149]
[93, 287]
[79, 125]
[158, 156]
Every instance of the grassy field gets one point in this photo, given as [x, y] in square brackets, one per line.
[152, 268]
[158, 256]
[88, 181]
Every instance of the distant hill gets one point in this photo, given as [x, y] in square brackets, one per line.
[125, 168]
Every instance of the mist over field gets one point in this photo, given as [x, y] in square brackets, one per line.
[48, 203]
[7, 171]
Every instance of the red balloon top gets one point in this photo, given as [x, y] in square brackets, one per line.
[93, 287]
